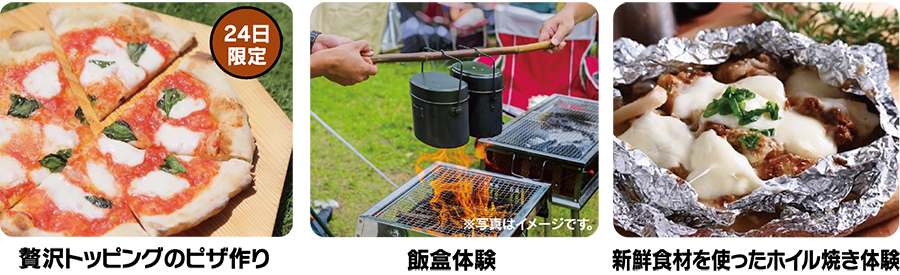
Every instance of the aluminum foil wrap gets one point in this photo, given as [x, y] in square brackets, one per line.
[829, 199]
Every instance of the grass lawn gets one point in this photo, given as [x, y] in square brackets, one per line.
[375, 117]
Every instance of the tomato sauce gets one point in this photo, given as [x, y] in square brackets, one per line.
[78, 44]
[199, 172]
[46, 216]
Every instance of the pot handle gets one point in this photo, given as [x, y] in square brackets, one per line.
[513, 166]
[458, 109]
[493, 74]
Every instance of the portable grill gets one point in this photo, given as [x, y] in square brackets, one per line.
[407, 211]
[555, 142]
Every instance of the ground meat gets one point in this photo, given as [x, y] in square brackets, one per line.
[679, 171]
[785, 164]
[671, 82]
[839, 123]
[769, 157]
[764, 147]
[734, 70]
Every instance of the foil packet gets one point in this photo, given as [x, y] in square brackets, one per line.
[831, 198]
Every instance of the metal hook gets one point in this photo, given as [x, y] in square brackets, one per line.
[458, 109]
[493, 74]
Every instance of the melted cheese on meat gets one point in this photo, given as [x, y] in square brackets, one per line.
[804, 136]
[693, 98]
[719, 170]
[865, 121]
[806, 83]
[666, 140]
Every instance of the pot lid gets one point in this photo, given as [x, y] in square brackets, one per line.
[438, 87]
[480, 77]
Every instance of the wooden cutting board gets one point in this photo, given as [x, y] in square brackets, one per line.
[734, 14]
[253, 211]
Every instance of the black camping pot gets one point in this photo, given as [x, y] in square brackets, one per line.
[440, 105]
[486, 97]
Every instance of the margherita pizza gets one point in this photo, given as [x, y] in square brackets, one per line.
[174, 158]
[115, 49]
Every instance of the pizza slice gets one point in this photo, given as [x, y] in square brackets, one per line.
[40, 119]
[84, 200]
[114, 49]
[193, 111]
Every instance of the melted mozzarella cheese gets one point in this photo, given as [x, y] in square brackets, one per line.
[766, 86]
[185, 107]
[12, 173]
[804, 136]
[693, 99]
[666, 140]
[38, 175]
[158, 184]
[110, 50]
[806, 83]
[8, 127]
[151, 60]
[102, 179]
[865, 121]
[70, 198]
[43, 82]
[719, 170]
[179, 140]
[121, 152]
[56, 138]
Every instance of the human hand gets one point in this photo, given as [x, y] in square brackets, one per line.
[346, 65]
[556, 29]
[328, 41]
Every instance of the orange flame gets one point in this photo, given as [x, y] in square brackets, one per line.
[456, 156]
[480, 153]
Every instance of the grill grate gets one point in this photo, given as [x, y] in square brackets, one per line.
[413, 208]
[562, 126]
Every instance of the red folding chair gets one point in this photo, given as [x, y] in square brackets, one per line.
[537, 73]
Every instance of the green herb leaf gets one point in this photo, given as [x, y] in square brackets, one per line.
[119, 130]
[93, 99]
[99, 202]
[171, 96]
[22, 107]
[80, 114]
[766, 132]
[772, 108]
[102, 64]
[749, 141]
[135, 50]
[172, 165]
[56, 162]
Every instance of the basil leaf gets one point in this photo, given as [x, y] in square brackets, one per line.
[171, 96]
[135, 50]
[119, 130]
[102, 64]
[749, 141]
[99, 202]
[80, 114]
[93, 99]
[56, 162]
[22, 107]
[172, 165]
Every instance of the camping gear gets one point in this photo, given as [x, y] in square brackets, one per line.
[440, 105]
[485, 97]
[429, 56]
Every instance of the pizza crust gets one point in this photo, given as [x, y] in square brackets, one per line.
[66, 19]
[21, 225]
[23, 46]
[235, 137]
[234, 175]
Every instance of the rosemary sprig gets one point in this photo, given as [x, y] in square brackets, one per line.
[829, 22]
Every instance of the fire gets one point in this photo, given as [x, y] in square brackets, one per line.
[480, 153]
[456, 156]
[457, 200]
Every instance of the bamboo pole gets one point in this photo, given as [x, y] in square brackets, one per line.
[429, 56]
